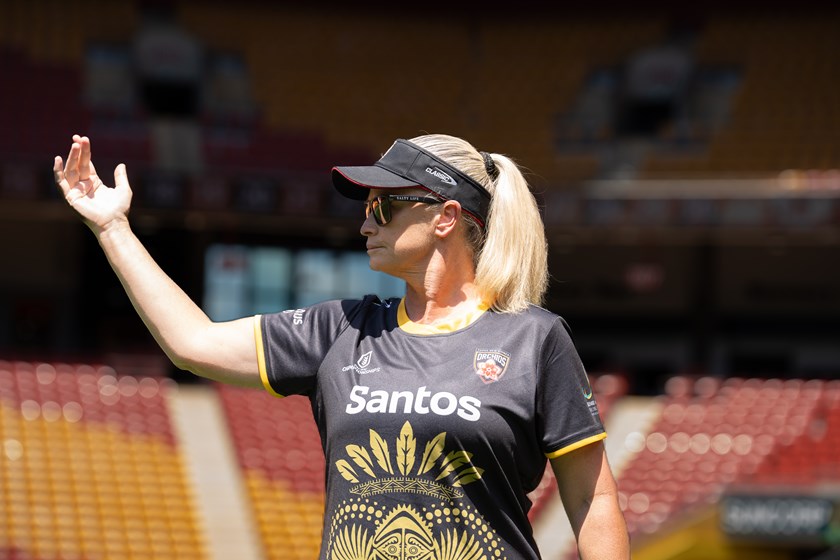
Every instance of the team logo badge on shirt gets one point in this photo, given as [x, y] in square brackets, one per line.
[490, 365]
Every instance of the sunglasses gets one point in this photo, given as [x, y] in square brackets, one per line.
[380, 206]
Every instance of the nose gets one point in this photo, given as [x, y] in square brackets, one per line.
[368, 226]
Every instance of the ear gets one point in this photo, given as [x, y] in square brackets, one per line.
[448, 218]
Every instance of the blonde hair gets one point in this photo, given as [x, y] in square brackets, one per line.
[511, 253]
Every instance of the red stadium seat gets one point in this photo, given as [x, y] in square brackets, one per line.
[94, 463]
[279, 452]
[712, 435]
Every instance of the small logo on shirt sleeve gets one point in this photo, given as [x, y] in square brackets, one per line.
[588, 394]
[490, 365]
[297, 315]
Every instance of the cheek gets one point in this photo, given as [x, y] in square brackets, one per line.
[413, 239]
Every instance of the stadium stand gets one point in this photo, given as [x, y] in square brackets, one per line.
[360, 105]
[90, 467]
[784, 114]
[42, 44]
[811, 459]
[37, 117]
[715, 435]
[706, 438]
[299, 120]
[279, 452]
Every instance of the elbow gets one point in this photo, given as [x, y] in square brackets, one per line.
[203, 365]
[193, 361]
[184, 358]
[191, 349]
[183, 364]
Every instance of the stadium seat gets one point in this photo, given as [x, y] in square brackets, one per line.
[90, 466]
[714, 433]
[279, 451]
[771, 126]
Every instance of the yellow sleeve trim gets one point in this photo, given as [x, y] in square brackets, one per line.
[258, 338]
[576, 445]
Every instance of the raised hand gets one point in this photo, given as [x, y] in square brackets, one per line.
[100, 206]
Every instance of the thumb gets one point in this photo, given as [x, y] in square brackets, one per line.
[121, 178]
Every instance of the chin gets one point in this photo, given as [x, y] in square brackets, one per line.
[375, 265]
[378, 265]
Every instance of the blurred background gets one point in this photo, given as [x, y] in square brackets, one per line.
[687, 162]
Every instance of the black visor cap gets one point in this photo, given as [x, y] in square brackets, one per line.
[406, 165]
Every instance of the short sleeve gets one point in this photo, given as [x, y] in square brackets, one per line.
[567, 414]
[292, 344]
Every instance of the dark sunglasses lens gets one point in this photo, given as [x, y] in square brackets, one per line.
[381, 210]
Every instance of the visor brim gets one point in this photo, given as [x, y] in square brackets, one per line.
[355, 182]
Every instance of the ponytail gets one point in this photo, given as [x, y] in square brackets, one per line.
[511, 252]
[513, 263]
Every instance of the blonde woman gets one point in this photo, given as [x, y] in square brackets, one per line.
[437, 410]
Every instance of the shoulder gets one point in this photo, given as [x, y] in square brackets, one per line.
[535, 322]
[369, 304]
[334, 309]
[369, 312]
[536, 317]
[554, 327]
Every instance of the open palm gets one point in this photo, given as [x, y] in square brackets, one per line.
[99, 205]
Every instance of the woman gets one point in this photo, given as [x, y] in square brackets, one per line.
[437, 410]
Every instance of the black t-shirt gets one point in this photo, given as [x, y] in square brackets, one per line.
[432, 441]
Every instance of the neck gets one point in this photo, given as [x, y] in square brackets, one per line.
[445, 289]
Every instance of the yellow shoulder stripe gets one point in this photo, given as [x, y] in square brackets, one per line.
[258, 338]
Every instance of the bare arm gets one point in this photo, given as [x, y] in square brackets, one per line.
[220, 351]
[590, 497]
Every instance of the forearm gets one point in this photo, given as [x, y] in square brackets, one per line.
[178, 325]
[167, 311]
[603, 532]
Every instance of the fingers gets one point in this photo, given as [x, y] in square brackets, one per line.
[84, 159]
[76, 140]
[93, 171]
[72, 165]
[58, 173]
[74, 177]
[121, 177]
